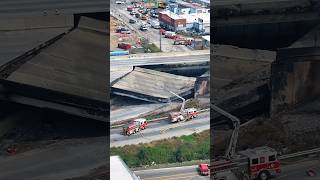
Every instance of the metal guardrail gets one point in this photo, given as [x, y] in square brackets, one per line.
[243, 161]
[297, 154]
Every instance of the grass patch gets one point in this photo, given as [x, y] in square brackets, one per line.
[173, 150]
[151, 48]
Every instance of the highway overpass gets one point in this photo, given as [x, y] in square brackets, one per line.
[161, 58]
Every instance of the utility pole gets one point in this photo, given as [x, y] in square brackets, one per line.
[160, 38]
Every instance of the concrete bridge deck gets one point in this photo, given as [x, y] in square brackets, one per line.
[66, 73]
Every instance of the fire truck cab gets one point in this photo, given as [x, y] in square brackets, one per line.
[182, 116]
[192, 112]
[263, 163]
[135, 126]
[176, 117]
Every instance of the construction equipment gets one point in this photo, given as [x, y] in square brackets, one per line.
[258, 163]
[183, 114]
[135, 126]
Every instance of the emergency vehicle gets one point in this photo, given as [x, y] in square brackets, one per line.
[170, 35]
[259, 163]
[183, 114]
[182, 41]
[135, 126]
[203, 169]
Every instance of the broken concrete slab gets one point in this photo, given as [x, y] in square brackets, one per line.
[153, 86]
[230, 64]
[311, 39]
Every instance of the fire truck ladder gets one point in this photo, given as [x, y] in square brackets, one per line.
[183, 100]
[234, 137]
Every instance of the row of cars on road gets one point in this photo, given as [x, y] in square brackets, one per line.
[145, 15]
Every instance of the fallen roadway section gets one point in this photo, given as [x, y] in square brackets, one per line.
[153, 86]
[153, 132]
[59, 73]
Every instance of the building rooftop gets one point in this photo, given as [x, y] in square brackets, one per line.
[119, 170]
[207, 38]
[190, 18]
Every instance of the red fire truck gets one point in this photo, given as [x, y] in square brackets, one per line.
[135, 126]
[259, 163]
[182, 41]
[184, 115]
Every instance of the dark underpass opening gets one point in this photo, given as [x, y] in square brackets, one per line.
[269, 36]
[27, 128]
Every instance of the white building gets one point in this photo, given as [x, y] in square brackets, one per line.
[119, 170]
[198, 21]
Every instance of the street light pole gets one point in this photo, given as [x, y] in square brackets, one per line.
[160, 39]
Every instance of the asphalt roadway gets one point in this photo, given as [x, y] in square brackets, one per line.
[176, 173]
[58, 161]
[197, 58]
[161, 130]
[297, 171]
[292, 171]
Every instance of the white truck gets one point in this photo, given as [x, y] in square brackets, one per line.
[155, 24]
[120, 2]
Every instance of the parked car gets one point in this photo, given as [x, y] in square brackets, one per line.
[155, 24]
[170, 35]
[143, 28]
[124, 46]
[155, 15]
[144, 18]
[123, 30]
[162, 31]
[132, 21]
[138, 15]
[133, 12]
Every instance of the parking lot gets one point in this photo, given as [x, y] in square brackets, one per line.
[149, 20]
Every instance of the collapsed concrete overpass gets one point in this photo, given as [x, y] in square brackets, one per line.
[63, 68]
